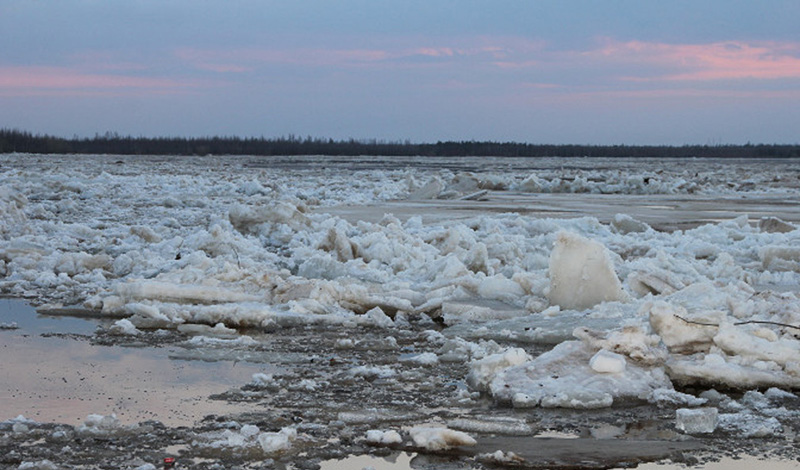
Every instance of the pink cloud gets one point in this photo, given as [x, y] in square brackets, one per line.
[31, 79]
[435, 51]
[239, 60]
[245, 59]
[704, 62]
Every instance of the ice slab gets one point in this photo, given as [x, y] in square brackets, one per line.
[696, 420]
[564, 378]
[581, 273]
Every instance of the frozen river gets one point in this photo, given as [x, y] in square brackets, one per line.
[450, 313]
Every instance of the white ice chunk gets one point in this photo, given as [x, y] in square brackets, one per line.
[668, 396]
[431, 190]
[607, 362]
[735, 340]
[501, 457]
[439, 438]
[245, 218]
[607, 431]
[100, 425]
[274, 442]
[425, 359]
[563, 378]
[123, 327]
[372, 372]
[625, 224]
[747, 424]
[498, 287]
[344, 343]
[775, 225]
[261, 379]
[180, 292]
[581, 273]
[716, 369]
[38, 465]
[383, 438]
[249, 430]
[780, 257]
[696, 420]
[499, 425]
[778, 394]
[631, 341]
[483, 371]
[379, 319]
[672, 323]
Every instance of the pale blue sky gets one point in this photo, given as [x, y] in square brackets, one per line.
[610, 72]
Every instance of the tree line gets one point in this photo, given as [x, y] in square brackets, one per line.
[12, 140]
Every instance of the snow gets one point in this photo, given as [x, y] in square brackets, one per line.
[633, 303]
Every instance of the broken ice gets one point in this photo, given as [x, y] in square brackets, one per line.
[696, 420]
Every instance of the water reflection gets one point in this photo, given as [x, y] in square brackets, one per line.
[400, 461]
[741, 463]
[63, 379]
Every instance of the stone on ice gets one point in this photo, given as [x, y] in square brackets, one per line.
[581, 273]
[697, 420]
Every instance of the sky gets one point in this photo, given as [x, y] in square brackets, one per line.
[551, 72]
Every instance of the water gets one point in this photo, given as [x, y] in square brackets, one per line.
[51, 372]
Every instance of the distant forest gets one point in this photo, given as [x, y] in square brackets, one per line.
[12, 140]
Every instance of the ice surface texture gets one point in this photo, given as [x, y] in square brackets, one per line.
[160, 243]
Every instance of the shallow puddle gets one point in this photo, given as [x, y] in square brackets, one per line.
[61, 377]
[401, 461]
[741, 463]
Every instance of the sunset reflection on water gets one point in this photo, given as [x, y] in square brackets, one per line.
[63, 379]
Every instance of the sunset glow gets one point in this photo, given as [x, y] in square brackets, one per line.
[532, 73]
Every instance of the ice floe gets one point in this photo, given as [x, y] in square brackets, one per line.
[632, 310]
